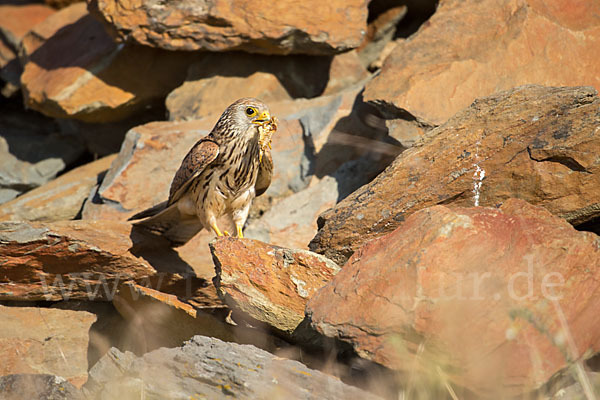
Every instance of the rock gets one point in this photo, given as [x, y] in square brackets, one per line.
[96, 80]
[380, 32]
[461, 55]
[87, 260]
[291, 222]
[528, 297]
[102, 139]
[270, 284]
[32, 150]
[286, 27]
[40, 33]
[15, 21]
[59, 199]
[209, 368]
[346, 70]
[37, 386]
[535, 143]
[141, 175]
[158, 319]
[109, 330]
[44, 341]
[218, 79]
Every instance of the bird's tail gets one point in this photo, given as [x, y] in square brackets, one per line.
[169, 223]
[149, 211]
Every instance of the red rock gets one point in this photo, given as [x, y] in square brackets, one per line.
[283, 27]
[15, 21]
[45, 341]
[268, 283]
[535, 143]
[96, 80]
[498, 300]
[87, 260]
[59, 199]
[470, 49]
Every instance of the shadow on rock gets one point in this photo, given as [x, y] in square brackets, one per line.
[157, 251]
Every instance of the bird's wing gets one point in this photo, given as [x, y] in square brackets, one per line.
[265, 172]
[197, 159]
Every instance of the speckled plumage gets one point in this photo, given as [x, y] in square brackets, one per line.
[220, 175]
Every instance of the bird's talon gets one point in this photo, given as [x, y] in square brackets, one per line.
[226, 233]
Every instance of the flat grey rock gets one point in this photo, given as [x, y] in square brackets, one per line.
[210, 368]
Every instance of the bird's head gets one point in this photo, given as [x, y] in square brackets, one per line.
[243, 118]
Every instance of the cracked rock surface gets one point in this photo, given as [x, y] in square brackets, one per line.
[536, 143]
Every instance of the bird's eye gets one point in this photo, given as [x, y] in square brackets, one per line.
[250, 111]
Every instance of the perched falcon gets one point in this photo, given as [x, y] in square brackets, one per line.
[219, 176]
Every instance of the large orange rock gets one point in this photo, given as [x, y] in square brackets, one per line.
[535, 143]
[270, 284]
[79, 72]
[496, 300]
[59, 199]
[88, 260]
[45, 341]
[282, 27]
[470, 49]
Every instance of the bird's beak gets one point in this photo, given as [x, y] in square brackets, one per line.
[262, 118]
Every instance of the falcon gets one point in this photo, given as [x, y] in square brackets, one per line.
[220, 175]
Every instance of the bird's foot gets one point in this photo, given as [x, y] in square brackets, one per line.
[240, 234]
[226, 233]
[217, 230]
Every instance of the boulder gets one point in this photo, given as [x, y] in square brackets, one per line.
[209, 368]
[496, 300]
[96, 80]
[88, 260]
[59, 199]
[535, 143]
[44, 341]
[461, 54]
[285, 27]
[15, 21]
[38, 386]
[218, 79]
[270, 284]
